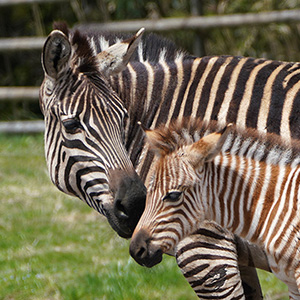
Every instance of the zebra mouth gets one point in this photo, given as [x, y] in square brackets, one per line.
[143, 251]
[118, 226]
[128, 204]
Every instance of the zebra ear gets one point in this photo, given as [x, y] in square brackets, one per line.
[156, 141]
[115, 58]
[207, 148]
[56, 53]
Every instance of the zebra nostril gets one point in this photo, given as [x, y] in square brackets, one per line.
[120, 210]
[141, 253]
[144, 251]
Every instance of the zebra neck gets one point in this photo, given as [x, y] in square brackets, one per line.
[152, 94]
[244, 196]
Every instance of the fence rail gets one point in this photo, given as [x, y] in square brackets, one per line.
[22, 126]
[17, 2]
[203, 22]
[19, 93]
[198, 22]
[21, 43]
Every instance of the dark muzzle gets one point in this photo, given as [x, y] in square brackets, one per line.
[129, 202]
[143, 251]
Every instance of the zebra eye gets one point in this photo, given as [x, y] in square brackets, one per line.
[172, 196]
[72, 125]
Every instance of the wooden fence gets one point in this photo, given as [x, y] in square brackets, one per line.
[201, 23]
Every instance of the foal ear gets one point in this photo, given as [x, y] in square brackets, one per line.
[156, 142]
[208, 147]
[115, 58]
[56, 53]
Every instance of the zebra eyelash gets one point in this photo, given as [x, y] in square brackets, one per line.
[172, 196]
[72, 125]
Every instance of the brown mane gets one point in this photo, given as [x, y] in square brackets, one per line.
[167, 139]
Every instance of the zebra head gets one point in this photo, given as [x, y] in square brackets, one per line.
[84, 120]
[174, 207]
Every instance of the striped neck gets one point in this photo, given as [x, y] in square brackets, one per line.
[150, 92]
[241, 194]
[249, 184]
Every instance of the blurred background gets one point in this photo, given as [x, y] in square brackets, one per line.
[53, 246]
[33, 18]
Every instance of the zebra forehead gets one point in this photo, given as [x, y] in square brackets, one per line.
[165, 173]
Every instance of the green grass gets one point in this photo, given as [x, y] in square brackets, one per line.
[55, 247]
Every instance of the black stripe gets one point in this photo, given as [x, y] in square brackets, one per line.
[257, 93]
[240, 89]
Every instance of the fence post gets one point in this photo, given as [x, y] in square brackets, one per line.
[197, 10]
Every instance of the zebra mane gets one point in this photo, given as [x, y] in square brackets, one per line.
[243, 142]
[88, 42]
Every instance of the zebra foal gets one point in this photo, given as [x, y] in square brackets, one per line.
[247, 182]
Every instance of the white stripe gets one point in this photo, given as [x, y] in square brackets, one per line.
[256, 216]
[222, 116]
[291, 75]
[167, 77]
[93, 45]
[282, 204]
[245, 102]
[289, 203]
[187, 89]
[266, 100]
[255, 181]
[228, 192]
[243, 200]
[180, 74]
[150, 87]
[140, 52]
[277, 194]
[235, 196]
[199, 89]
[285, 130]
[103, 43]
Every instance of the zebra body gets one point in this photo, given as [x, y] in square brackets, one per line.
[92, 98]
[247, 183]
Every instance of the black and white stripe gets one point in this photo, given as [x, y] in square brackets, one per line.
[247, 183]
[230, 256]
[159, 84]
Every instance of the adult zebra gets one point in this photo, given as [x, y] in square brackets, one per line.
[85, 97]
[247, 183]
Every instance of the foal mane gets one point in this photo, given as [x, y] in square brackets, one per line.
[167, 139]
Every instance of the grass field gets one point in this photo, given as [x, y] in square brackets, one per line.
[55, 247]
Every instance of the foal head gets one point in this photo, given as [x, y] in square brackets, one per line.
[173, 207]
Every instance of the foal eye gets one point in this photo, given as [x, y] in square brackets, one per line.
[172, 196]
[72, 125]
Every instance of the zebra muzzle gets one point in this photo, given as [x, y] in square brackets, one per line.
[129, 201]
[143, 251]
